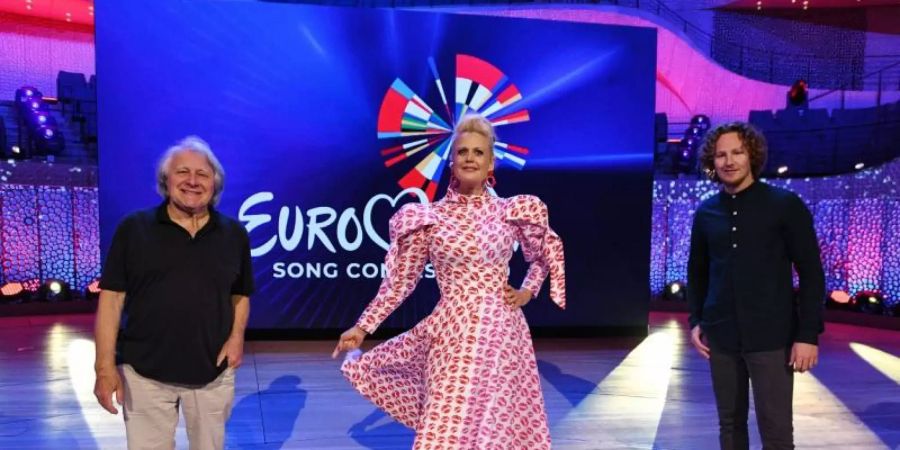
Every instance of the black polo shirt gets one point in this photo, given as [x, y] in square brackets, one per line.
[740, 284]
[178, 311]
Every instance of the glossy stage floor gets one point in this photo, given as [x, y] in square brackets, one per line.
[600, 393]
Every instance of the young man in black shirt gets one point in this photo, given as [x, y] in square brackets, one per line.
[178, 277]
[744, 314]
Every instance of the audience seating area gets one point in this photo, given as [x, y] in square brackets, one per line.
[810, 142]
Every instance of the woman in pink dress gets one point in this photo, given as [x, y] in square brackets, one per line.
[464, 377]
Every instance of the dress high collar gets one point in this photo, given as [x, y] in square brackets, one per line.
[453, 196]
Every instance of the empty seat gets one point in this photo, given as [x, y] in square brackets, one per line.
[71, 89]
[802, 119]
[764, 120]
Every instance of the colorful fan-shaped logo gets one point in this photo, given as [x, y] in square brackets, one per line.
[480, 88]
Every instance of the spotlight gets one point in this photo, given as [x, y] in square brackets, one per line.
[694, 132]
[859, 166]
[35, 105]
[685, 156]
[16, 149]
[782, 170]
[53, 290]
[869, 302]
[41, 119]
[48, 140]
[701, 121]
[798, 95]
[28, 93]
[839, 300]
[675, 291]
[13, 292]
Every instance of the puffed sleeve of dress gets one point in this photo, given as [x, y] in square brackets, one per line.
[542, 247]
[406, 257]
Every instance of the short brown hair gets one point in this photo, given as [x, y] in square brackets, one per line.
[751, 138]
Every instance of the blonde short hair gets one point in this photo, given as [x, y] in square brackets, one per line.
[474, 123]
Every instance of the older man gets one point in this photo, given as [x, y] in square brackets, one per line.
[173, 307]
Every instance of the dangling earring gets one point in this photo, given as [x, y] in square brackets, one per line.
[491, 181]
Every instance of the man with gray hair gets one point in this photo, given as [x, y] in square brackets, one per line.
[173, 307]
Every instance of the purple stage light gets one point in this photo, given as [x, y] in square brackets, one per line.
[700, 121]
[691, 142]
[693, 132]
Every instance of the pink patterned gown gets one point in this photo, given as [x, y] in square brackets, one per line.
[464, 377]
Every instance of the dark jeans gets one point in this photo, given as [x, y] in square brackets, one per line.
[773, 391]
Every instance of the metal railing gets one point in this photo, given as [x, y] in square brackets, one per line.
[756, 63]
[884, 79]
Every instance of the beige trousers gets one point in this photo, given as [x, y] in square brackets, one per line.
[151, 411]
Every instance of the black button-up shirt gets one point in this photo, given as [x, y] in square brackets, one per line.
[740, 284]
[178, 310]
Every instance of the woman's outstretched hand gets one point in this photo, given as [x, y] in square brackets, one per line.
[349, 340]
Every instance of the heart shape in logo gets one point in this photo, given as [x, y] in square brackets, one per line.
[367, 213]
